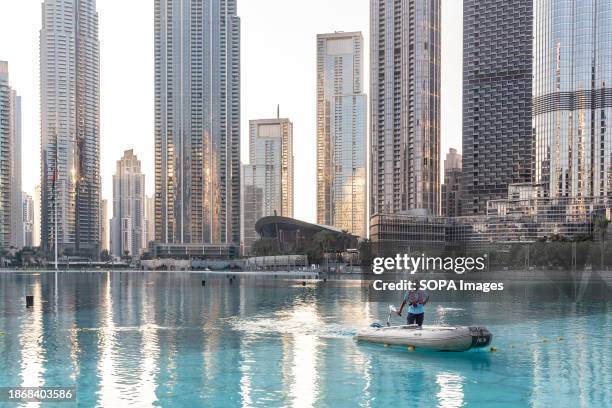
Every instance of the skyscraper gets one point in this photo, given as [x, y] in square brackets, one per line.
[572, 97]
[268, 178]
[11, 212]
[451, 189]
[497, 70]
[36, 224]
[341, 132]
[150, 218]
[405, 105]
[104, 226]
[70, 127]
[28, 219]
[127, 224]
[197, 122]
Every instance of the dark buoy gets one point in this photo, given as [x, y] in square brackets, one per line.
[29, 301]
[303, 283]
[230, 281]
[203, 283]
[324, 279]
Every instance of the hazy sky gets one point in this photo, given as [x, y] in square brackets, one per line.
[278, 67]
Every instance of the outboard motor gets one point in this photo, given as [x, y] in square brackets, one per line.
[481, 336]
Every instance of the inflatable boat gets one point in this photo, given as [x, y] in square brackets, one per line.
[440, 338]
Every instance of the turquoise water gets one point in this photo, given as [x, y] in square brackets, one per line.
[162, 339]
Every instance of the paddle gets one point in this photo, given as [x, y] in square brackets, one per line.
[392, 310]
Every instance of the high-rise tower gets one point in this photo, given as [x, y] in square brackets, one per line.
[268, 178]
[11, 212]
[70, 127]
[497, 136]
[405, 105]
[451, 189]
[197, 122]
[128, 228]
[341, 132]
[572, 97]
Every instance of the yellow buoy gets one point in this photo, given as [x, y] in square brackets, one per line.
[493, 349]
[411, 348]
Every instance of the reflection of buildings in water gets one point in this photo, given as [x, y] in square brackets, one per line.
[212, 366]
[149, 349]
[246, 356]
[31, 341]
[569, 367]
[113, 363]
[170, 352]
[110, 390]
[360, 362]
[450, 394]
[245, 370]
[301, 356]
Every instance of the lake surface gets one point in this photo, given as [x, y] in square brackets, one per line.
[163, 339]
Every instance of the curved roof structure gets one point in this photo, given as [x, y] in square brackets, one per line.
[268, 226]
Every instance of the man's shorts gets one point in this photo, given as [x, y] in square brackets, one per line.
[416, 318]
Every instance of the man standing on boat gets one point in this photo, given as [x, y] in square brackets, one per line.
[416, 299]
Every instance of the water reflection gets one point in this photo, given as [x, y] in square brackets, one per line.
[163, 339]
[110, 388]
[450, 394]
[304, 380]
[150, 351]
[31, 342]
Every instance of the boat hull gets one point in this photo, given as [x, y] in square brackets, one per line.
[440, 338]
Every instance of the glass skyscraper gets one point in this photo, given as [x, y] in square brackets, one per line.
[451, 189]
[11, 212]
[405, 106]
[128, 228]
[497, 78]
[197, 122]
[70, 127]
[341, 132]
[268, 178]
[572, 97]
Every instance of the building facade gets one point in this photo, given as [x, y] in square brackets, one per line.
[524, 220]
[150, 218]
[127, 224]
[28, 219]
[405, 105]
[70, 128]
[11, 212]
[104, 226]
[451, 189]
[268, 178]
[341, 132]
[497, 86]
[197, 122]
[36, 225]
[572, 97]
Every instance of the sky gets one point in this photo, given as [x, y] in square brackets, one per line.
[278, 56]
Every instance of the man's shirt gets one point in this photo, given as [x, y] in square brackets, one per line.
[420, 308]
